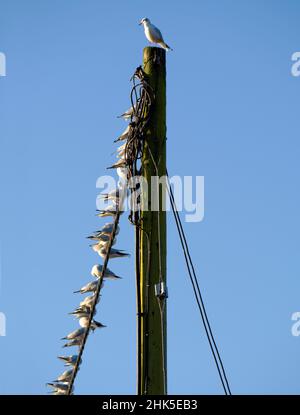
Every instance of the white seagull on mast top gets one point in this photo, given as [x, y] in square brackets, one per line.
[153, 34]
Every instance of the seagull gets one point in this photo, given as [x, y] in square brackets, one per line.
[88, 302]
[97, 271]
[82, 312]
[74, 342]
[153, 34]
[90, 287]
[114, 253]
[125, 134]
[99, 237]
[108, 228]
[104, 232]
[76, 333]
[115, 194]
[101, 244]
[120, 163]
[128, 113]
[122, 173]
[121, 154]
[97, 247]
[58, 392]
[84, 321]
[112, 195]
[59, 386]
[69, 360]
[110, 210]
[65, 377]
[122, 148]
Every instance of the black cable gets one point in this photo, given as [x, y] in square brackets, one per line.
[198, 302]
[204, 309]
[138, 306]
[197, 292]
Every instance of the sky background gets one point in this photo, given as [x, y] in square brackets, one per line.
[233, 114]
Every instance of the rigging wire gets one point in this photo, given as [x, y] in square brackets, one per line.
[197, 293]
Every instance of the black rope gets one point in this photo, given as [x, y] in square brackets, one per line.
[138, 306]
[198, 295]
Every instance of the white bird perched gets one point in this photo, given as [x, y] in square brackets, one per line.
[58, 392]
[110, 210]
[69, 360]
[59, 386]
[65, 377]
[90, 287]
[97, 271]
[83, 322]
[122, 172]
[82, 312]
[120, 163]
[97, 247]
[115, 194]
[104, 232]
[125, 133]
[100, 237]
[108, 228]
[114, 253]
[128, 113]
[121, 154]
[153, 34]
[100, 245]
[88, 301]
[123, 188]
[74, 334]
[121, 148]
[112, 195]
[74, 342]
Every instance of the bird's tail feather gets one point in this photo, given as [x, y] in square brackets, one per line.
[165, 46]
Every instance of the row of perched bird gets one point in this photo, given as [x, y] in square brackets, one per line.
[102, 243]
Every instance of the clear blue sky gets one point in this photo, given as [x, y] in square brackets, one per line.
[233, 114]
